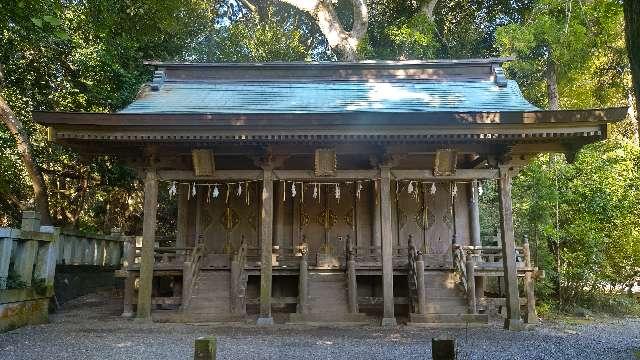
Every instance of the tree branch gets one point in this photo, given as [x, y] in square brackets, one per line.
[24, 148]
[345, 42]
[428, 7]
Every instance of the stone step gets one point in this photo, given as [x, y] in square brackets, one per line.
[449, 318]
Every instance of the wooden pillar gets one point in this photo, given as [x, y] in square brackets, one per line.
[422, 302]
[531, 317]
[513, 320]
[303, 285]
[474, 215]
[266, 232]
[148, 241]
[182, 223]
[376, 235]
[388, 318]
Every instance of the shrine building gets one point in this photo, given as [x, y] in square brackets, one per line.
[329, 192]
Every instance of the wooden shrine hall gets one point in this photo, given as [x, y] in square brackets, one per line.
[329, 192]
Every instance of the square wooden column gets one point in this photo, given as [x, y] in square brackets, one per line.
[474, 215]
[388, 318]
[266, 238]
[148, 241]
[182, 223]
[513, 320]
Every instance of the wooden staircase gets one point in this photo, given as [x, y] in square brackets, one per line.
[328, 300]
[445, 303]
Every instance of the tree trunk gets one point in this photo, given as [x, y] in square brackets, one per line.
[24, 148]
[552, 85]
[632, 31]
[344, 43]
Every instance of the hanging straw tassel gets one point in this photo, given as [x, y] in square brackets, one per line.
[172, 190]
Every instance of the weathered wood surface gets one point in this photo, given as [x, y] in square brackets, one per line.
[266, 235]
[513, 320]
[387, 246]
[148, 234]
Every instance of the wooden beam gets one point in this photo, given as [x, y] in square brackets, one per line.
[513, 320]
[219, 175]
[461, 174]
[340, 175]
[148, 235]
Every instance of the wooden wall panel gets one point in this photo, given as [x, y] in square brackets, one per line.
[463, 224]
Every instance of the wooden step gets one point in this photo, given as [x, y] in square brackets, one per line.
[329, 318]
[449, 318]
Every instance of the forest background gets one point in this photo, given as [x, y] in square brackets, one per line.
[580, 214]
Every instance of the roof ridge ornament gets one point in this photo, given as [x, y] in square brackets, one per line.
[498, 75]
[158, 80]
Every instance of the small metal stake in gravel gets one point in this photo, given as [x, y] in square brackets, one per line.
[443, 348]
[205, 348]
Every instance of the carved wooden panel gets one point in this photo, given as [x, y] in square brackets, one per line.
[439, 232]
[325, 162]
[203, 162]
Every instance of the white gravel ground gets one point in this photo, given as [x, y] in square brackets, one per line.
[90, 328]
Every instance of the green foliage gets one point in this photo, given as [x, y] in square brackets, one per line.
[13, 280]
[585, 43]
[253, 41]
[582, 219]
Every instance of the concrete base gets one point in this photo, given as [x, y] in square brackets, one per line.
[388, 322]
[513, 324]
[29, 312]
[264, 321]
[127, 314]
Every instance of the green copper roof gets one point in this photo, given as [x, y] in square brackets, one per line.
[326, 96]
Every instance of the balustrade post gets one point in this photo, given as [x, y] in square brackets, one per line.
[422, 303]
[353, 286]
[187, 282]
[531, 317]
[471, 284]
[303, 284]
[6, 245]
[45, 266]
[26, 250]
[129, 250]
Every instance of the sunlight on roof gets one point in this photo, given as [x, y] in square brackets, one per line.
[381, 92]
